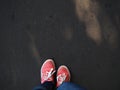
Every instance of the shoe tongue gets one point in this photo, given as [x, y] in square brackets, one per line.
[48, 74]
[61, 77]
[51, 72]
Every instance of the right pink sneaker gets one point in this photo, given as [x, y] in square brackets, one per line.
[63, 75]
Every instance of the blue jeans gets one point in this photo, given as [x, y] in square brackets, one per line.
[63, 86]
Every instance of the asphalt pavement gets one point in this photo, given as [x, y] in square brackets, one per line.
[33, 30]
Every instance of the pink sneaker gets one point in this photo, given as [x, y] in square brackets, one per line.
[63, 75]
[47, 71]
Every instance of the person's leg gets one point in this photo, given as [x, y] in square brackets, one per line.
[47, 76]
[63, 80]
[45, 86]
[70, 86]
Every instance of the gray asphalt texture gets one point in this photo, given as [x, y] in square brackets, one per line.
[33, 30]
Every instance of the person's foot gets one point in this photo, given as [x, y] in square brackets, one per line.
[63, 75]
[47, 71]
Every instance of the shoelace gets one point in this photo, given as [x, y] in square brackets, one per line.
[61, 78]
[48, 74]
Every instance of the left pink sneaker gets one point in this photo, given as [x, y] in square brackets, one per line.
[47, 71]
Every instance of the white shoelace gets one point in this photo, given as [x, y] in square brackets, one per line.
[61, 78]
[48, 74]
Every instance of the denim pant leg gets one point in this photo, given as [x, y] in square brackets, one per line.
[69, 86]
[45, 86]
